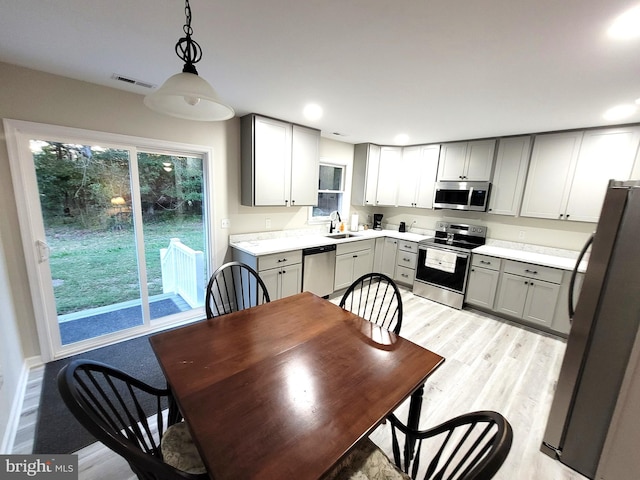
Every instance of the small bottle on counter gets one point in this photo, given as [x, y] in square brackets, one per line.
[342, 226]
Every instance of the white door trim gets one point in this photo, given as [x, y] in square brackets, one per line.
[18, 133]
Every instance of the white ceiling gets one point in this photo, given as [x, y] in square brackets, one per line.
[436, 70]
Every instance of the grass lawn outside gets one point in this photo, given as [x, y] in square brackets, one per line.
[97, 268]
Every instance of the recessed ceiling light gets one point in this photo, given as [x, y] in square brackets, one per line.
[620, 112]
[312, 111]
[401, 138]
[626, 26]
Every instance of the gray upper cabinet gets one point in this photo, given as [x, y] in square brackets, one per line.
[279, 162]
[466, 161]
[569, 172]
[387, 189]
[366, 162]
[418, 171]
[512, 161]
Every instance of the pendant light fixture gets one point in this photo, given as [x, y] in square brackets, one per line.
[186, 95]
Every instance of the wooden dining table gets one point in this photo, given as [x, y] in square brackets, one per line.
[285, 389]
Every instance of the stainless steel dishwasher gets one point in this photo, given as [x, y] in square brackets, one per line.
[318, 269]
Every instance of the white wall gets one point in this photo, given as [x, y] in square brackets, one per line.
[11, 356]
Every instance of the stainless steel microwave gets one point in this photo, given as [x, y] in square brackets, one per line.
[462, 195]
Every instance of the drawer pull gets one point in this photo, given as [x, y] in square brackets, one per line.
[404, 275]
[485, 262]
[535, 272]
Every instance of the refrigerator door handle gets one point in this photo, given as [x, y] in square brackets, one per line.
[572, 282]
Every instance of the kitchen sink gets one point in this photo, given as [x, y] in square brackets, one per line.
[338, 236]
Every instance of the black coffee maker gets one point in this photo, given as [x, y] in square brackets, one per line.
[377, 221]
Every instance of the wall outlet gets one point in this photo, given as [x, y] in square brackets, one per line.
[267, 223]
[226, 223]
[521, 235]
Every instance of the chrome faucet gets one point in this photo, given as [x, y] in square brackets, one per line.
[333, 227]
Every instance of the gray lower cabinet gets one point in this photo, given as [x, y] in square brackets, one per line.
[529, 292]
[406, 259]
[353, 259]
[527, 298]
[388, 259]
[483, 281]
[535, 294]
[280, 272]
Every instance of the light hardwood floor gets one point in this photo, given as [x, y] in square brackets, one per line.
[491, 364]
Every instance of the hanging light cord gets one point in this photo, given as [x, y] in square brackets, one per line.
[188, 49]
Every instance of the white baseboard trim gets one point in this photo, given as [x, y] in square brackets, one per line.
[9, 436]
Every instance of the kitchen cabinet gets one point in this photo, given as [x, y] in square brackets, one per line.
[280, 162]
[483, 281]
[417, 177]
[407, 257]
[507, 187]
[366, 162]
[387, 189]
[561, 322]
[283, 281]
[280, 272]
[569, 172]
[353, 259]
[388, 256]
[604, 155]
[529, 292]
[466, 161]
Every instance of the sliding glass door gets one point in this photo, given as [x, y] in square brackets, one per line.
[120, 238]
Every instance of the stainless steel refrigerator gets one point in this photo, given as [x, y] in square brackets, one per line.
[603, 331]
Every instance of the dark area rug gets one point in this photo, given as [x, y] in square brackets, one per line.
[57, 431]
[108, 322]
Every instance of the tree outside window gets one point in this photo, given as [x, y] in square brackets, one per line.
[330, 191]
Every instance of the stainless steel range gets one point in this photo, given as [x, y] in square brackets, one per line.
[444, 261]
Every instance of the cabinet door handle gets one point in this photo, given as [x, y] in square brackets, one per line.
[286, 202]
[284, 271]
[293, 202]
[526, 283]
[566, 216]
[355, 256]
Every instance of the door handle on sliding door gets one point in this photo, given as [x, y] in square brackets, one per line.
[43, 251]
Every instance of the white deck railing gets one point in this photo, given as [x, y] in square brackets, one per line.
[183, 272]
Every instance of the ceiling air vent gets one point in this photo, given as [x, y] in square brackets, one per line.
[132, 81]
